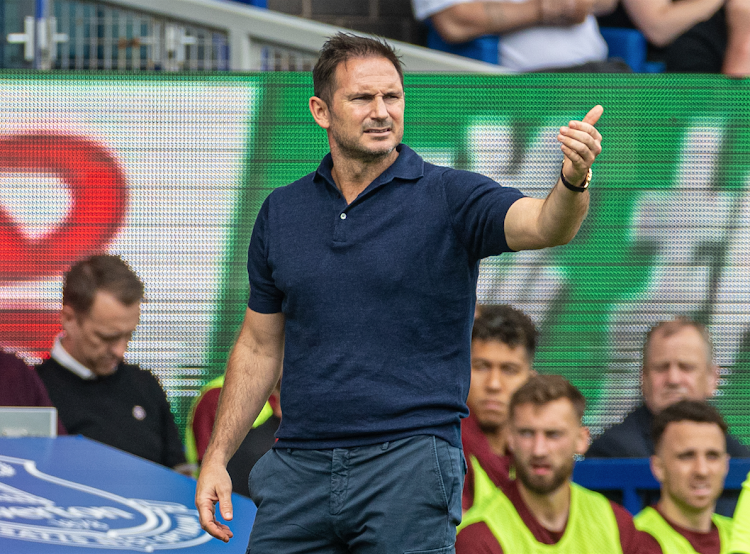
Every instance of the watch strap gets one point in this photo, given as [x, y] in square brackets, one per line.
[582, 188]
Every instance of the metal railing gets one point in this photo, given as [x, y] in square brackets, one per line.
[198, 35]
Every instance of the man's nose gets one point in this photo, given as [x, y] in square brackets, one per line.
[540, 445]
[701, 466]
[494, 382]
[673, 374]
[119, 347]
[379, 109]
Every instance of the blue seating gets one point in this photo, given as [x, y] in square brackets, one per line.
[484, 48]
[632, 476]
[628, 44]
[256, 3]
[631, 46]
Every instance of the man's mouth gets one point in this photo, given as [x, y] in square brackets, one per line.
[701, 489]
[378, 131]
[540, 468]
[493, 405]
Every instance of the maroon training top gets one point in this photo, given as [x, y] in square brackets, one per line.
[21, 386]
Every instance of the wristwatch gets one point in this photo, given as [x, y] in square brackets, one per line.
[581, 188]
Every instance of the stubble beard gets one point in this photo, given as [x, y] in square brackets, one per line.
[541, 485]
[355, 151]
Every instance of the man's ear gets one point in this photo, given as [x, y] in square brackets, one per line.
[67, 316]
[714, 372]
[657, 467]
[320, 112]
[583, 440]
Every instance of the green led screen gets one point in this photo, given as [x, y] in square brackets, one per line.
[190, 159]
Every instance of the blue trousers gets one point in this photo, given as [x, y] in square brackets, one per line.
[397, 497]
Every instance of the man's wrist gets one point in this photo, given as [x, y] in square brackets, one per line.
[214, 457]
[574, 185]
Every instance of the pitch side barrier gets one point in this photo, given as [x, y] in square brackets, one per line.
[169, 171]
[72, 494]
[632, 478]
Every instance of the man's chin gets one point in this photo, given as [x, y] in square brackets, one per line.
[106, 369]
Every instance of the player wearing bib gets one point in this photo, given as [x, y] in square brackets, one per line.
[542, 511]
[690, 462]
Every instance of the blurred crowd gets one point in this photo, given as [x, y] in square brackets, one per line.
[696, 36]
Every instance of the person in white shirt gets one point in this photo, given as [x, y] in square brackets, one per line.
[534, 34]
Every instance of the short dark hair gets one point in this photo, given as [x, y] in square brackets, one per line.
[669, 327]
[697, 411]
[102, 272]
[543, 389]
[342, 47]
[507, 325]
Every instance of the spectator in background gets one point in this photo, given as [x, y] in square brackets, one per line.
[677, 365]
[95, 393]
[699, 36]
[691, 464]
[534, 34]
[21, 386]
[257, 442]
[503, 341]
[542, 506]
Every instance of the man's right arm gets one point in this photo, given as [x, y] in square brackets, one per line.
[464, 22]
[662, 21]
[467, 21]
[253, 369]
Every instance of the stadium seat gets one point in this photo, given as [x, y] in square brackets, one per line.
[256, 3]
[627, 44]
[631, 46]
[484, 48]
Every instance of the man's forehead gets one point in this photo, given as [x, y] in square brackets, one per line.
[108, 311]
[693, 435]
[687, 333]
[556, 414]
[353, 72]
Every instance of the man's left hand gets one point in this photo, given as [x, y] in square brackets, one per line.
[581, 143]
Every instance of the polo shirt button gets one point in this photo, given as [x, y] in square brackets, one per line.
[343, 216]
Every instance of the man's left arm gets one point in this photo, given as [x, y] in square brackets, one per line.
[737, 57]
[532, 223]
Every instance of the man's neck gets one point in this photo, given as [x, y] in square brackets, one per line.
[61, 354]
[698, 521]
[551, 510]
[352, 176]
[496, 438]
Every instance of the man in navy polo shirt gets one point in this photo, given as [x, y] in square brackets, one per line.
[363, 280]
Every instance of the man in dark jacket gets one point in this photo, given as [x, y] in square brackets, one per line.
[678, 365]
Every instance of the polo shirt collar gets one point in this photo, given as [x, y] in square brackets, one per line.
[409, 166]
[63, 357]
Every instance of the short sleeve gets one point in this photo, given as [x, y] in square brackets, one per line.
[265, 298]
[633, 541]
[477, 207]
[477, 539]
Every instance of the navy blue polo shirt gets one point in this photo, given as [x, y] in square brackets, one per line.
[378, 298]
